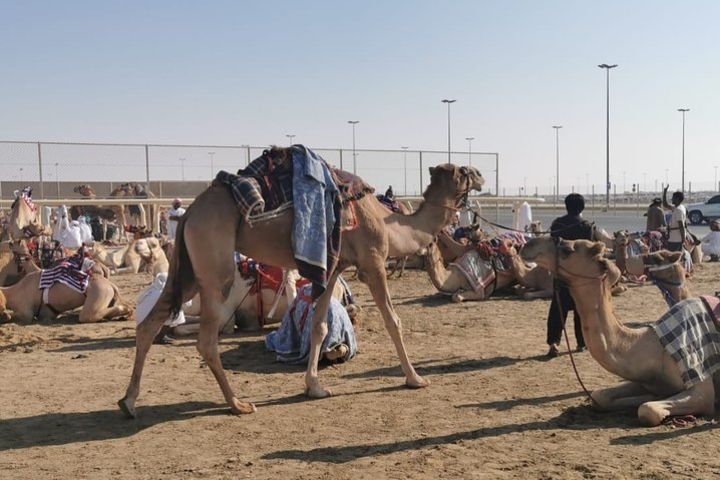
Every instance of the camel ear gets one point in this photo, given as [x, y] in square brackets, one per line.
[597, 249]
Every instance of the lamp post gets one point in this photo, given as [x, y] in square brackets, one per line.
[607, 131]
[666, 176]
[212, 164]
[353, 123]
[290, 136]
[469, 139]
[445, 100]
[683, 110]
[57, 180]
[404, 149]
[557, 162]
[716, 187]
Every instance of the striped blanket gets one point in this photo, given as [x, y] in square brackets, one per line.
[689, 335]
[478, 272]
[69, 272]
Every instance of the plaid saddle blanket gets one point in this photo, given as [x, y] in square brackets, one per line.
[72, 271]
[478, 272]
[689, 334]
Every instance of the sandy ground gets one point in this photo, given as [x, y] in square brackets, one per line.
[495, 407]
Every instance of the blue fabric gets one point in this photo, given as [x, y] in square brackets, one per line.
[314, 199]
[291, 342]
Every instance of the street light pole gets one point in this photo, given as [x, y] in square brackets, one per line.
[404, 149]
[557, 162]
[353, 123]
[683, 110]
[290, 136]
[469, 139]
[212, 164]
[445, 100]
[716, 187]
[57, 180]
[607, 131]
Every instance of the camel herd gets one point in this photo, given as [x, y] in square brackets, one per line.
[211, 230]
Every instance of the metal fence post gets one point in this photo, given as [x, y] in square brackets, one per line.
[341, 161]
[497, 187]
[42, 186]
[248, 156]
[421, 167]
[147, 165]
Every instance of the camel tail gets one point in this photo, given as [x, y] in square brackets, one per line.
[181, 275]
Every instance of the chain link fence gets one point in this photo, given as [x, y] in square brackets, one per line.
[53, 169]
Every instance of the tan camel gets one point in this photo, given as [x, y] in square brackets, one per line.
[451, 249]
[144, 253]
[664, 268]
[136, 212]
[24, 301]
[533, 282]
[24, 221]
[654, 384]
[213, 220]
[397, 264]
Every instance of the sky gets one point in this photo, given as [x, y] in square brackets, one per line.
[241, 72]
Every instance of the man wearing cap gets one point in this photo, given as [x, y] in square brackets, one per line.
[655, 216]
[173, 217]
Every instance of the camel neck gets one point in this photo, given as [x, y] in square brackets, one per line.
[519, 269]
[436, 269]
[608, 340]
[11, 298]
[408, 234]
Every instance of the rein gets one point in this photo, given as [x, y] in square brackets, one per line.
[542, 232]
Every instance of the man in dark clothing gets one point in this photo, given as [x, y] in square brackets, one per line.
[569, 227]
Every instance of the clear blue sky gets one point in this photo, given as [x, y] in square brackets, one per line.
[235, 72]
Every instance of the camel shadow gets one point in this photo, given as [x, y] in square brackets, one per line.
[660, 434]
[90, 344]
[430, 367]
[574, 418]
[79, 427]
[501, 405]
[252, 357]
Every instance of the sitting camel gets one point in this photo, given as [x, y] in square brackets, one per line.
[24, 220]
[214, 220]
[144, 253]
[656, 383]
[663, 268]
[24, 301]
[15, 262]
[458, 282]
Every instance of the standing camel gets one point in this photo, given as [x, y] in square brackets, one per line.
[654, 382]
[212, 229]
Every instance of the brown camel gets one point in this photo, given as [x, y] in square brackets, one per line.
[533, 282]
[24, 220]
[24, 301]
[450, 249]
[212, 229]
[397, 264]
[144, 253]
[136, 212]
[452, 281]
[15, 262]
[664, 268]
[654, 383]
[106, 214]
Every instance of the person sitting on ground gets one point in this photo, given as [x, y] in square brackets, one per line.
[569, 227]
[655, 216]
[676, 226]
[711, 242]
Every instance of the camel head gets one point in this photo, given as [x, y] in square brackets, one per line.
[85, 190]
[449, 177]
[24, 219]
[574, 261]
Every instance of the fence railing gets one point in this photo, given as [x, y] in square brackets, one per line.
[55, 168]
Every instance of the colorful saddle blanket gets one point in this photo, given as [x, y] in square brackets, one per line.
[73, 272]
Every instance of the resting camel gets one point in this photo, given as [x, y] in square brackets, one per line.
[663, 268]
[214, 219]
[14, 262]
[24, 301]
[132, 258]
[450, 249]
[24, 220]
[653, 380]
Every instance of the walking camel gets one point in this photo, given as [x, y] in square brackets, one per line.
[653, 383]
[213, 220]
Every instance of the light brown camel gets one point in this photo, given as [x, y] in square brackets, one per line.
[654, 384]
[24, 301]
[533, 282]
[214, 220]
[664, 268]
[450, 249]
[397, 264]
[452, 281]
[136, 212]
[144, 253]
[24, 220]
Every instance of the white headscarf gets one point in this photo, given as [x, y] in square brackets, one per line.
[85, 232]
[149, 297]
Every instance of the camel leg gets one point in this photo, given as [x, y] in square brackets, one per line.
[144, 336]
[213, 318]
[377, 283]
[468, 295]
[313, 389]
[621, 397]
[697, 400]
[402, 266]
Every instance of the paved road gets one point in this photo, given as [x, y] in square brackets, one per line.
[611, 222]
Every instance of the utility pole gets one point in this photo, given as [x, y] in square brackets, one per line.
[607, 131]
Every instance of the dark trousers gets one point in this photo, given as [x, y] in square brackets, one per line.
[556, 321]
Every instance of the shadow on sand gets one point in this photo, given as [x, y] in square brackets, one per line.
[432, 367]
[65, 428]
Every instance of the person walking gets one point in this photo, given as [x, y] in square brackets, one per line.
[568, 227]
[677, 225]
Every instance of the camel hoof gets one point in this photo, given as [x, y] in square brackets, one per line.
[418, 382]
[127, 408]
[317, 392]
[457, 298]
[241, 408]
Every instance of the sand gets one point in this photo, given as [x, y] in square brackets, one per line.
[496, 408]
